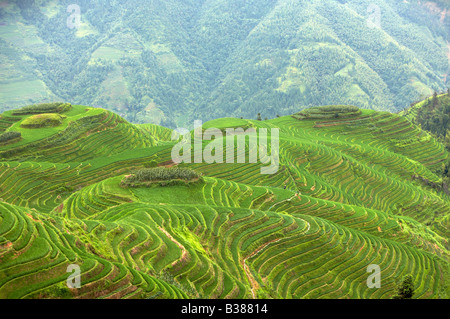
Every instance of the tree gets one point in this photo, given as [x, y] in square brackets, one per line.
[405, 290]
[434, 100]
[258, 118]
[151, 164]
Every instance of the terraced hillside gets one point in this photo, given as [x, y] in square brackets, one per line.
[346, 195]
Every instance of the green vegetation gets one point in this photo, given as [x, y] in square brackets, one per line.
[9, 136]
[73, 137]
[151, 164]
[343, 199]
[433, 115]
[328, 112]
[225, 123]
[222, 58]
[160, 174]
[43, 108]
[405, 289]
[43, 120]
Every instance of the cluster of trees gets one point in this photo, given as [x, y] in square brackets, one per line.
[328, 112]
[198, 60]
[56, 107]
[405, 289]
[161, 174]
[9, 136]
[43, 120]
[434, 116]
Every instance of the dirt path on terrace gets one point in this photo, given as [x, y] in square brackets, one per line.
[183, 249]
[253, 283]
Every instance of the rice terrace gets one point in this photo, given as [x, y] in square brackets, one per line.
[224, 157]
[101, 193]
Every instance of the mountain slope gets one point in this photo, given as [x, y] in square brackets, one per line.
[345, 196]
[170, 62]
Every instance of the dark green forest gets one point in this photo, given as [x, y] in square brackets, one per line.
[433, 115]
[169, 62]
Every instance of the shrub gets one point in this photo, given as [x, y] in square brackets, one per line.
[9, 136]
[158, 174]
[328, 112]
[57, 107]
[151, 164]
[42, 120]
[405, 290]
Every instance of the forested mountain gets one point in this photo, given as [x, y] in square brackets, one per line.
[171, 61]
[433, 115]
